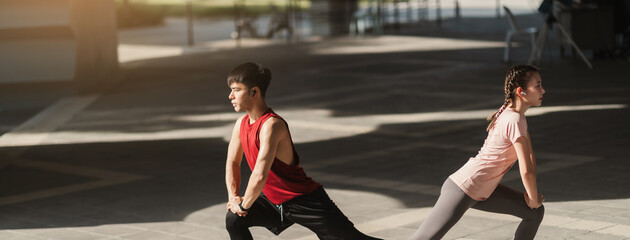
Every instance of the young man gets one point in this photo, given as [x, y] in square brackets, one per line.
[278, 193]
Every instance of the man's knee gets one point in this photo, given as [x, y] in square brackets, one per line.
[233, 221]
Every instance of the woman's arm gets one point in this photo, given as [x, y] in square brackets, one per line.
[527, 167]
[531, 151]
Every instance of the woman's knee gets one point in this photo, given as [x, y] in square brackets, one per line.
[540, 212]
[537, 214]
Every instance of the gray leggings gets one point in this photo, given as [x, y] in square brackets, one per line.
[453, 202]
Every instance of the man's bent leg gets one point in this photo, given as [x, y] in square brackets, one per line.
[261, 213]
[237, 226]
[317, 212]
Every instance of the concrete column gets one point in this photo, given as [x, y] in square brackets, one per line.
[94, 25]
[319, 17]
[332, 17]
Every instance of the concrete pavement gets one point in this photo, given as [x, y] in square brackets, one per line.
[381, 122]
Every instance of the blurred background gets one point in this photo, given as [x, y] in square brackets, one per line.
[86, 40]
[115, 118]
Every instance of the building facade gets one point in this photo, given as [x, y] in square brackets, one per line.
[57, 40]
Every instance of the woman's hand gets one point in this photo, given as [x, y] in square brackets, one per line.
[534, 203]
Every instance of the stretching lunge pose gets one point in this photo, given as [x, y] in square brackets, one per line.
[278, 193]
[476, 184]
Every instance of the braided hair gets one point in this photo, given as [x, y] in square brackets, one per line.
[516, 77]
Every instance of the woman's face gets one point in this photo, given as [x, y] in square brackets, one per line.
[534, 90]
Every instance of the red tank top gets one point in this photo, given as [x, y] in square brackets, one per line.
[284, 182]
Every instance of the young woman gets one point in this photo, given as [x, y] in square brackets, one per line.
[476, 184]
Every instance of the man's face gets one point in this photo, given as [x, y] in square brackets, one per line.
[240, 97]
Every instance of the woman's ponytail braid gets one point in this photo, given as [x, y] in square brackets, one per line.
[516, 77]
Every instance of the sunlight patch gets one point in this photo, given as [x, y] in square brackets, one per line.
[311, 125]
[395, 44]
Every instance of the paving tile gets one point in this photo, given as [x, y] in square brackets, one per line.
[66, 234]
[475, 228]
[15, 235]
[545, 232]
[616, 230]
[394, 233]
[598, 236]
[152, 235]
[210, 233]
[588, 225]
[114, 230]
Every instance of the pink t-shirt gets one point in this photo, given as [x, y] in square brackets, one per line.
[481, 175]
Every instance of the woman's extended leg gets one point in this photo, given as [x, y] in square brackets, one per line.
[449, 208]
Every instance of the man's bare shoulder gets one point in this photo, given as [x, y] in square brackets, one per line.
[237, 126]
[275, 125]
[240, 119]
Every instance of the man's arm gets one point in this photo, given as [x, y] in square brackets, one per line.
[233, 166]
[271, 133]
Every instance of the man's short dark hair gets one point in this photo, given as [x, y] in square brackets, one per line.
[251, 75]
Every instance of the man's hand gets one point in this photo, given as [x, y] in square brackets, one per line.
[534, 203]
[233, 201]
[232, 205]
